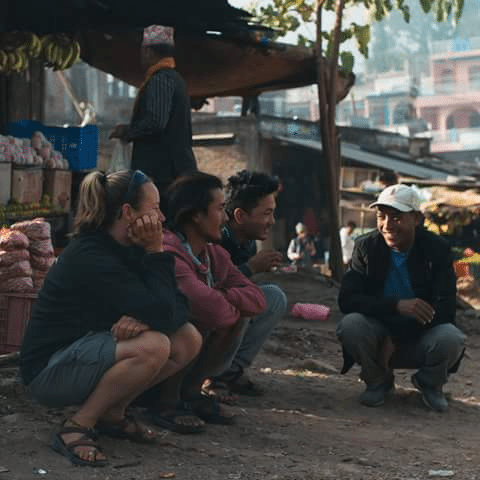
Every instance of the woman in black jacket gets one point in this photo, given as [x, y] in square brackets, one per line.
[109, 321]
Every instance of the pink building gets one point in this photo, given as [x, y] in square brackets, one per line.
[453, 107]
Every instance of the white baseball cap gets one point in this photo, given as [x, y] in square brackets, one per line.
[400, 197]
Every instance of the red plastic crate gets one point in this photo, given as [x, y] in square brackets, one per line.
[15, 311]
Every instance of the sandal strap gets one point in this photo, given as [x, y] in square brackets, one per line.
[206, 401]
[88, 432]
[83, 442]
[128, 427]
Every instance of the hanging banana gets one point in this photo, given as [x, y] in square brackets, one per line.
[58, 51]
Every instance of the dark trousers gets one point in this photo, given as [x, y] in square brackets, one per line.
[435, 353]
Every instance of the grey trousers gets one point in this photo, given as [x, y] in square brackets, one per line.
[434, 354]
[260, 327]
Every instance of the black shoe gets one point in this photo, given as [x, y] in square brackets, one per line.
[389, 384]
[433, 397]
[238, 382]
[374, 395]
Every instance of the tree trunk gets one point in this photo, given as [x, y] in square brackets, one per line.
[327, 86]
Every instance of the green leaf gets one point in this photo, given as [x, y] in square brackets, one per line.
[426, 5]
[457, 12]
[347, 61]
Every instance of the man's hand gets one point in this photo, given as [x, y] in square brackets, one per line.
[120, 132]
[147, 232]
[127, 328]
[417, 308]
[264, 261]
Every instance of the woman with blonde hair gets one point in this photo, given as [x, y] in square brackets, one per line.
[109, 322]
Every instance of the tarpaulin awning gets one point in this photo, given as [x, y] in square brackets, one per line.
[212, 65]
[454, 199]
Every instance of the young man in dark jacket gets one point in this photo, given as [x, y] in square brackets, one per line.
[250, 205]
[399, 296]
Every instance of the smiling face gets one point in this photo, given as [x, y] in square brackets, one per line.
[397, 228]
[209, 225]
[256, 224]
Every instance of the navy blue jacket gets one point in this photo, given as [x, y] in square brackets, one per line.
[94, 282]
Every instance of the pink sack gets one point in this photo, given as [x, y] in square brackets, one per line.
[311, 311]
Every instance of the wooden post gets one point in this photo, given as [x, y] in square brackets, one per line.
[22, 95]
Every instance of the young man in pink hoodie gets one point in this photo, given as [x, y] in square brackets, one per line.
[221, 298]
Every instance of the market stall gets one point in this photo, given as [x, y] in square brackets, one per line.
[41, 165]
[454, 213]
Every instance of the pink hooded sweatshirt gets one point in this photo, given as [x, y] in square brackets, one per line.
[233, 295]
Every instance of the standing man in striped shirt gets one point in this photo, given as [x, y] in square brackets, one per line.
[161, 125]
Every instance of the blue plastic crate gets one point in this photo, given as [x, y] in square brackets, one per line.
[78, 145]
[24, 128]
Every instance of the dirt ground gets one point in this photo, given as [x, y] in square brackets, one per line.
[309, 424]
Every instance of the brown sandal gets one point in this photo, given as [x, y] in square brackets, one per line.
[129, 428]
[220, 391]
[67, 449]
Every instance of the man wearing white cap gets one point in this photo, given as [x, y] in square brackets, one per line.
[161, 125]
[400, 298]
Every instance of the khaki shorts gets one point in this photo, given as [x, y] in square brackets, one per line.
[73, 372]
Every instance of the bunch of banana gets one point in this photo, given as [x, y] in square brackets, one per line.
[33, 45]
[13, 60]
[60, 51]
[15, 50]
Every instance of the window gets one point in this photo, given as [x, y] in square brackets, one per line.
[377, 115]
[474, 120]
[474, 77]
[110, 85]
[447, 82]
[401, 114]
[450, 122]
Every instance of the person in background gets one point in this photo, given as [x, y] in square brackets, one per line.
[399, 297]
[387, 178]
[221, 298]
[347, 242]
[250, 206]
[301, 248]
[109, 321]
[161, 124]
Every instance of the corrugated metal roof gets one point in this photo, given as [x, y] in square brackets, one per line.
[356, 153]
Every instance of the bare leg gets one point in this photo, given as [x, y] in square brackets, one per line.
[216, 355]
[163, 396]
[138, 362]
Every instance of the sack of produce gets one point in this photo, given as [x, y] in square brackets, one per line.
[18, 269]
[41, 262]
[9, 257]
[36, 229]
[41, 248]
[12, 239]
[17, 284]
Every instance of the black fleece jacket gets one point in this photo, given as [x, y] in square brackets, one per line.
[431, 274]
[92, 284]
